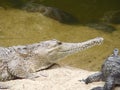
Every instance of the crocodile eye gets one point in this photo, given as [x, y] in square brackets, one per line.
[59, 43]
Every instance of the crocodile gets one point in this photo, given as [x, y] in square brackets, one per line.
[24, 61]
[102, 26]
[110, 73]
[51, 12]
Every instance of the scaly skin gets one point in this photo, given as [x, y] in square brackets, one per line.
[110, 73]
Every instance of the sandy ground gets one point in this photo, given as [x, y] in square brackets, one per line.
[63, 78]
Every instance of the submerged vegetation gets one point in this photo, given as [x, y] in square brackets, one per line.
[18, 27]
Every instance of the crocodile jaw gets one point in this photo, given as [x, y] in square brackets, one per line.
[67, 49]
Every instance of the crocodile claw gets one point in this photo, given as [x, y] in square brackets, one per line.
[86, 81]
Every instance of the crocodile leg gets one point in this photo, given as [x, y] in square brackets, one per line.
[93, 78]
[21, 69]
[109, 84]
[23, 74]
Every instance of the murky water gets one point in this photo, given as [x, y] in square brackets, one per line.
[85, 10]
[21, 27]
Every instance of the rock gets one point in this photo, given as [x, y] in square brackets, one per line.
[64, 78]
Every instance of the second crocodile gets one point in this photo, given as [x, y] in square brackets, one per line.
[110, 73]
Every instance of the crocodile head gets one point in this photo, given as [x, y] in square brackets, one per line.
[54, 50]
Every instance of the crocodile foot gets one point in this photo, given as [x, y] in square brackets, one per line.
[3, 87]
